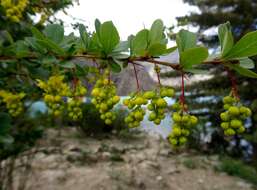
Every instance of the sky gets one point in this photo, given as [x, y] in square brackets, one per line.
[129, 16]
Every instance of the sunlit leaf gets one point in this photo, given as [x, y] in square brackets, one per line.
[245, 47]
[185, 40]
[193, 56]
[226, 38]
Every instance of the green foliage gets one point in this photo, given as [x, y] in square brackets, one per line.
[226, 38]
[245, 47]
[193, 56]
[108, 37]
[243, 71]
[190, 53]
[140, 43]
[54, 32]
[185, 40]
[190, 163]
[5, 120]
[150, 42]
[238, 168]
[21, 135]
[246, 63]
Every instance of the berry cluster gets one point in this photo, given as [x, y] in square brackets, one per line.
[54, 89]
[158, 104]
[182, 125]
[75, 102]
[13, 102]
[234, 117]
[14, 11]
[134, 103]
[105, 98]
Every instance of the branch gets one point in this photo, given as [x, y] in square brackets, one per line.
[133, 60]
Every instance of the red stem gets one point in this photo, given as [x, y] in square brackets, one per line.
[136, 77]
[233, 83]
[158, 77]
[182, 96]
[74, 80]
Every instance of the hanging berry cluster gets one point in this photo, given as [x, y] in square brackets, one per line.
[183, 124]
[76, 100]
[234, 117]
[54, 91]
[158, 103]
[14, 10]
[105, 98]
[13, 102]
[137, 113]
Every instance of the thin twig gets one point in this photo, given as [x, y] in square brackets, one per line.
[135, 70]
[233, 83]
[157, 70]
[175, 66]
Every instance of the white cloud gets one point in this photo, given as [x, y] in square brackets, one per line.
[129, 16]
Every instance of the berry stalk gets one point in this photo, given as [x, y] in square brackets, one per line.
[233, 83]
[135, 70]
[182, 96]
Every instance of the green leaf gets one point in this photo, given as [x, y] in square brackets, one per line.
[120, 56]
[193, 56]
[37, 34]
[83, 35]
[157, 49]
[55, 32]
[81, 71]
[185, 40]
[21, 49]
[32, 42]
[5, 123]
[156, 32]
[97, 26]
[48, 59]
[109, 37]
[114, 66]
[7, 139]
[67, 64]
[121, 47]
[94, 44]
[8, 36]
[246, 63]
[170, 50]
[243, 71]
[139, 43]
[245, 47]
[197, 71]
[226, 38]
[50, 45]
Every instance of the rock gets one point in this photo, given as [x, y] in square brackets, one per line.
[173, 170]
[243, 185]
[93, 164]
[164, 152]
[159, 178]
[106, 155]
[150, 164]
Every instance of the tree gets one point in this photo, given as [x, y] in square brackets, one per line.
[243, 18]
[241, 14]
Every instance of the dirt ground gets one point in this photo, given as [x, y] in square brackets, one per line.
[72, 162]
